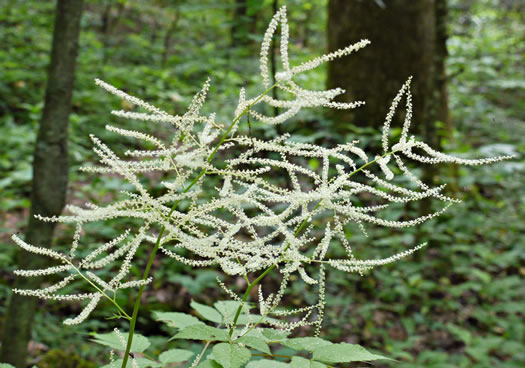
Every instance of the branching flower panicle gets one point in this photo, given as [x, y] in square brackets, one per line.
[249, 222]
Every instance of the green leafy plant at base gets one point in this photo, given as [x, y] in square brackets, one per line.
[250, 227]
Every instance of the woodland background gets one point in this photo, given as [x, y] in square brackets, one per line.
[458, 303]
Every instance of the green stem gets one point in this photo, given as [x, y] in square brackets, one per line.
[100, 291]
[136, 307]
[261, 276]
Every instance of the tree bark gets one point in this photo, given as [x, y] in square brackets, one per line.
[240, 23]
[441, 84]
[50, 175]
[402, 33]
[167, 38]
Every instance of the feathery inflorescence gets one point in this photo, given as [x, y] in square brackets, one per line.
[250, 222]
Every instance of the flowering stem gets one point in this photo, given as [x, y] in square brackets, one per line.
[303, 224]
[136, 307]
[124, 314]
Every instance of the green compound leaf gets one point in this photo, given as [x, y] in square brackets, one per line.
[228, 309]
[245, 319]
[255, 342]
[175, 356]
[274, 335]
[231, 355]
[344, 353]
[209, 364]
[177, 320]
[267, 363]
[306, 343]
[202, 332]
[299, 362]
[140, 343]
[206, 312]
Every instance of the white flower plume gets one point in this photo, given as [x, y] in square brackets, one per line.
[250, 222]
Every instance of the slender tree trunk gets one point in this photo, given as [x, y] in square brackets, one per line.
[167, 39]
[109, 23]
[239, 28]
[442, 109]
[50, 175]
[403, 44]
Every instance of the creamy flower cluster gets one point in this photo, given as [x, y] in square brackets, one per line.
[251, 222]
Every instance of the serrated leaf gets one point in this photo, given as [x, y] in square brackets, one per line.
[141, 362]
[255, 342]
[299, 362]
[139, 344]
[245, 319]
[267, 363]
[202, 332]
[209, 364]
[206, 312]
[176, 319]
[306, 343]
[175, 356]
[274, 335]
[256, 332]
[228, 309]
[231, 355]
[344, 353]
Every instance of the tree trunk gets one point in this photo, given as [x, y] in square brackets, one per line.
[441, 85]
[442, 110]
[167, 39]
[438, 113]
[402, 33]
[240, 24]
[50, 175]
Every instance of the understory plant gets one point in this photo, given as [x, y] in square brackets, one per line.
[221, 206]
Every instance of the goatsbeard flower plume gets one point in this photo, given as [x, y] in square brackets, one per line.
[250, 223]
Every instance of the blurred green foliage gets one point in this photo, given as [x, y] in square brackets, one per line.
[460, 303]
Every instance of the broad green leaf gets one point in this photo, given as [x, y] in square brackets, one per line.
[231, 355]
[139, 344]
[209, 364]
[202, 332]
[267, 363]
[344, 353]
[176, 319]
[463, 334]
[228, 309]
[306, 343]
[245, 319]
[175, 356]
[5, 365]
[274, 335]
[141, 362]
[299, 362]
[257, 332]
[206, 312]
[255, 342]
